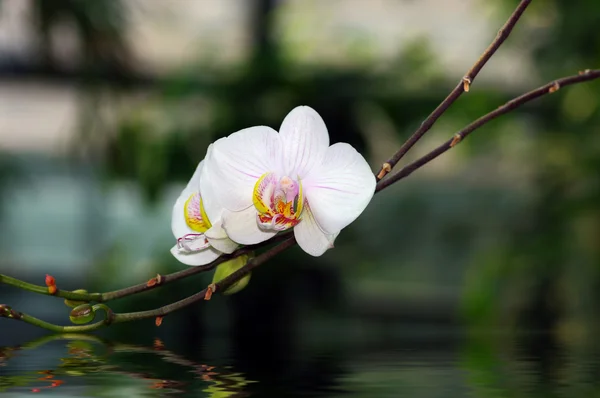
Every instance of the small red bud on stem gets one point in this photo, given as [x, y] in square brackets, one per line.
[466, 84]
[455, 140]
[385, 168]
[209, 291]
[155, 281]
[51, 283]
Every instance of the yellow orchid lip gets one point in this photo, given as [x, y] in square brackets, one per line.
[197, 220]
[195, 215]
[279, 201]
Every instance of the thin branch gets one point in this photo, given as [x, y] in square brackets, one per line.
[9, 280]
[110, 317]
[221, 285]
[192, 270]
[8, 312]
[128, 291]
[461, 87]
[511, 105]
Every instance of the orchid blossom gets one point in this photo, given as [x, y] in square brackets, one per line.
[196, 224]
[269, 182]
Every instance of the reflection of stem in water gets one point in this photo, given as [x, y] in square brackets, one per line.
[82, 360]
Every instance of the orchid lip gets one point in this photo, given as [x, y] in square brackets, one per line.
[279, 201]
[195, 215]
[196, 220]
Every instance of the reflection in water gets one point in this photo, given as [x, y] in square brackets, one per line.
[481, 365]
[538, 366]
[101, 362]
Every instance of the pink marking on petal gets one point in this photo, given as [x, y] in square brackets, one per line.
[183, 243]
[331, 188]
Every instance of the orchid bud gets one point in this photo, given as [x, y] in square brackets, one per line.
[229, 267]
[82, 314]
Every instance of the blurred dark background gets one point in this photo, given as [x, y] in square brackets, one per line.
[106, 107]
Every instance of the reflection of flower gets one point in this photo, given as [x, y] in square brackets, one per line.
[82, 361]
[164, 384]
[269, 182]
[227, 385]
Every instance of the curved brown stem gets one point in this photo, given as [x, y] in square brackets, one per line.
[460, 88]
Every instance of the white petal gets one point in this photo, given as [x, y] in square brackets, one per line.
[198, 258]
[242, 227]
[238, 161]
[310, 237]
[194, 183]
[340, 188]
[304, 140]
[218, 238]
[211, 204]
[178, 224]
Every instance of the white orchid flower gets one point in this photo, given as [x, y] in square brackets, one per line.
[196, 224]
[269, 182]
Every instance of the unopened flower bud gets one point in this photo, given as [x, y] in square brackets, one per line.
[50, 281]
[82, 314]
[229, 267]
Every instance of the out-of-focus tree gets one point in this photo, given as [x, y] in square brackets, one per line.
[546, 273]
[98, 25]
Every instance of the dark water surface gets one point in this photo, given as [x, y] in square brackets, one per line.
[415, 364]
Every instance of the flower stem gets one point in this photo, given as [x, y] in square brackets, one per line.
[549, 88]
[8, 312]
[111, 317]
[8, 280]
[462, 86]
[141, 287]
